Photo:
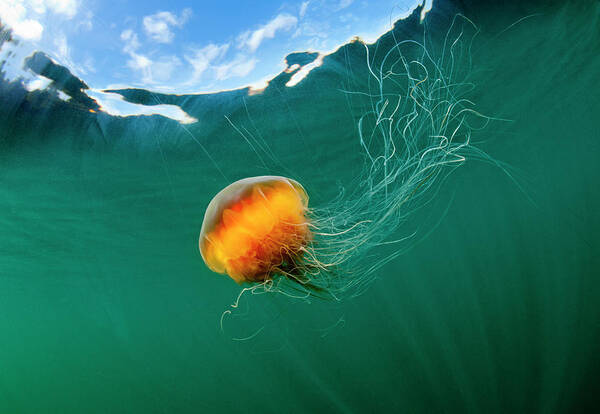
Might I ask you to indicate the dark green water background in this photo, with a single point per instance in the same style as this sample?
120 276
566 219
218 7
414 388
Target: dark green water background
107 307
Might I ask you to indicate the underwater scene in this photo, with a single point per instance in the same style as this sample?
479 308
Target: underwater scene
408 223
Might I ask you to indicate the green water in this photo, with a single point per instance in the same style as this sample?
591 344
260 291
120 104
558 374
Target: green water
107 307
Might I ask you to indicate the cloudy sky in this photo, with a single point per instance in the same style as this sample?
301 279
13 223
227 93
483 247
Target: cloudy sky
189 46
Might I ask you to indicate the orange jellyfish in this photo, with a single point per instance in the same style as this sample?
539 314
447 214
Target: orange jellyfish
257 228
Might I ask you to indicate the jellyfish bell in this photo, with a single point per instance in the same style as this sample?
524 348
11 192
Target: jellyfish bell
256 228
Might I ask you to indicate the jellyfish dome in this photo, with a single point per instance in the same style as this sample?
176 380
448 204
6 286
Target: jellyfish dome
255 228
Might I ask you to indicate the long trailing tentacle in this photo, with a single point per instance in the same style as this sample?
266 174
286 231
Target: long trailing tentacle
417 128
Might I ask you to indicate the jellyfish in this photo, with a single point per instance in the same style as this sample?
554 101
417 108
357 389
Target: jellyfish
415 129
256 228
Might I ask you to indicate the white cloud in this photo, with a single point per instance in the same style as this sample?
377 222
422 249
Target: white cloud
303 8
201 59
252 40
25 16
142 64
158 26
238 67
151 70
29 29
38 6
14 14
137 62
131 41
67 8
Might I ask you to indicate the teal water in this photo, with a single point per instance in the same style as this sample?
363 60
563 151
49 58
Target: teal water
106 305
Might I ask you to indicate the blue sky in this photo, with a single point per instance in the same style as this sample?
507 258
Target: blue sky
187 46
